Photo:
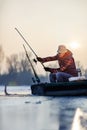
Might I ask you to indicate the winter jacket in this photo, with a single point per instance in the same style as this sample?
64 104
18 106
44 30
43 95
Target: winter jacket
66 63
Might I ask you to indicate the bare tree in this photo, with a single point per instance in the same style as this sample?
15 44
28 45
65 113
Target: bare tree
1 57
79 66
24 64
12 63
17 63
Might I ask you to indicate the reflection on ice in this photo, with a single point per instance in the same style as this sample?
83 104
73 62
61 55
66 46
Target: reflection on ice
80 120
40 112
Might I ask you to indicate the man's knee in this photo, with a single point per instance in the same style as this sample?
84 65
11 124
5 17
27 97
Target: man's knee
59 77
52 77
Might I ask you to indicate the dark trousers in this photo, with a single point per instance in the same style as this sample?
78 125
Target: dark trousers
59 77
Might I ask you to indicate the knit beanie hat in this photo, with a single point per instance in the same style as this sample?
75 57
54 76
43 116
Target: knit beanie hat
62 49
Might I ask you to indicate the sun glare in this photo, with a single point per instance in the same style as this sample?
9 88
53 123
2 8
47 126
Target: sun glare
74 45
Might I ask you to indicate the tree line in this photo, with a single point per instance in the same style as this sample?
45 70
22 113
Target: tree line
18 69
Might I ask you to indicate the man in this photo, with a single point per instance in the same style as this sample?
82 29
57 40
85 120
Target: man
66 62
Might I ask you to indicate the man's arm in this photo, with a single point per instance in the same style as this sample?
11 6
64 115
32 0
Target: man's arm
47 59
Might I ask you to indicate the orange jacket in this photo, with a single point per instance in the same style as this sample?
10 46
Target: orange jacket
66 63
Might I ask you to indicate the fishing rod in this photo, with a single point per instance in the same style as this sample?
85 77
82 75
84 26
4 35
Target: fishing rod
36 76
28 45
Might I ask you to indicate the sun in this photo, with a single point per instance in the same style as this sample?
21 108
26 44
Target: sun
74 45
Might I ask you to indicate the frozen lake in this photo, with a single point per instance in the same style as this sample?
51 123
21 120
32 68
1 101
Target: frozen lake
38 112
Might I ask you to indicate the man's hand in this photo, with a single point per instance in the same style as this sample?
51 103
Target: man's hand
52 70
47 69
40 59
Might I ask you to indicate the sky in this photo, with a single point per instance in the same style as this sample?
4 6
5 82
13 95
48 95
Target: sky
45 24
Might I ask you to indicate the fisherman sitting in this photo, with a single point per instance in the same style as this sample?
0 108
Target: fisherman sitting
67 67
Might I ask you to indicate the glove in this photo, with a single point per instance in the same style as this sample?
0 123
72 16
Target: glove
40 59
52 70
47 69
